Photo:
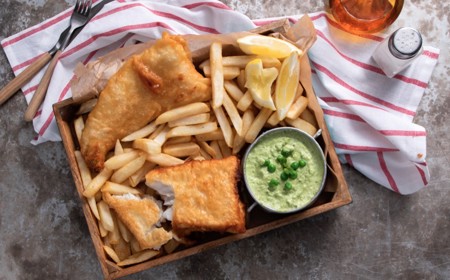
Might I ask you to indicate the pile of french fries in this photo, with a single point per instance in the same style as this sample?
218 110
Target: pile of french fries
196 131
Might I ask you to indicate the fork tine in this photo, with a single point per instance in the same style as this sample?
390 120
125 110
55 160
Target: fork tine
89 6
86 7
77 5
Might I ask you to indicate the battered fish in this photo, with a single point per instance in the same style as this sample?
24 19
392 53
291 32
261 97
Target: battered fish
161 78
141 216
204 195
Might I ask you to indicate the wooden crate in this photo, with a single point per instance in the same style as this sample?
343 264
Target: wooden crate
334 195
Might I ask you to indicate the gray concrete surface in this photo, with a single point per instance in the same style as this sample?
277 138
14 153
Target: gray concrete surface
381 235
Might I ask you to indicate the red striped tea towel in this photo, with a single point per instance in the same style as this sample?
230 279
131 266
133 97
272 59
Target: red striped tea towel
368 114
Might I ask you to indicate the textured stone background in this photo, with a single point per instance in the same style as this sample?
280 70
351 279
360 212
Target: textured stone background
381 235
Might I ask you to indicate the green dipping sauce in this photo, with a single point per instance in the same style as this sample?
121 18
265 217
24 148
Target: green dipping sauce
298 183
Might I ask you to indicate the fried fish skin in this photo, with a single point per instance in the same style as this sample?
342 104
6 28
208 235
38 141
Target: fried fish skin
159 79
206 195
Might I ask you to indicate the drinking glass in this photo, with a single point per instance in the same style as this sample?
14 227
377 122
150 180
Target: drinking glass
365 16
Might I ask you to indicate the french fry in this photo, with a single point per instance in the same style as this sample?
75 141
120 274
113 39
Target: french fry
85 174
114 188
215 56
273 119
179 139
181 112
204 154
239 141
126 183
139 257
116 162
308 116
87 106
122 249
210 136
105 216
242 60
139 175
96 183
157 131
161 137
297 107
106 240
302 125
134 245
198 157
233 113
226 151
224 125
93 205
98 196
187 130
128 149
182 149
111 253
207 148
79 126
241 80
245 102
195 119
124 232
233 90
229 73
118 149
215 146
103 231
171 246
149 146
141 133
128 169
164 159
257 125
114 235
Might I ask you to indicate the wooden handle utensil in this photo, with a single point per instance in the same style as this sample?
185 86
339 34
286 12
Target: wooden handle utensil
13 86
39 95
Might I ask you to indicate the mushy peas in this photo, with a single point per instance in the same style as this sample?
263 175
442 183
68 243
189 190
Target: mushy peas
283 172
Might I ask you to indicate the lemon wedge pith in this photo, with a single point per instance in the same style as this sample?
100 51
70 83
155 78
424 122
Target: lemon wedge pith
287 84
259 83
267 46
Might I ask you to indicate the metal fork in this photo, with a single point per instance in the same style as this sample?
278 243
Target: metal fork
80 17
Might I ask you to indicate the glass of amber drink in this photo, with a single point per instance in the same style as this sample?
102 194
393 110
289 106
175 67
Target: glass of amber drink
365 16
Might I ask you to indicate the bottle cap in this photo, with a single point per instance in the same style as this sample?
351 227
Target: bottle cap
405 43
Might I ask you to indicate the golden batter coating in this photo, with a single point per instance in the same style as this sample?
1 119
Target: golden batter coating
161 78
140 215
206 195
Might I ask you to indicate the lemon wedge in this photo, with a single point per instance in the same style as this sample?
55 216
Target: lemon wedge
287 84
259 83
267 46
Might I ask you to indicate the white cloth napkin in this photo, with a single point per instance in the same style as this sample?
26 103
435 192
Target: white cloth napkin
369 115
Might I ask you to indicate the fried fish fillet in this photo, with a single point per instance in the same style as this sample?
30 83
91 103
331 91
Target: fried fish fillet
161 78
204 195
141 216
